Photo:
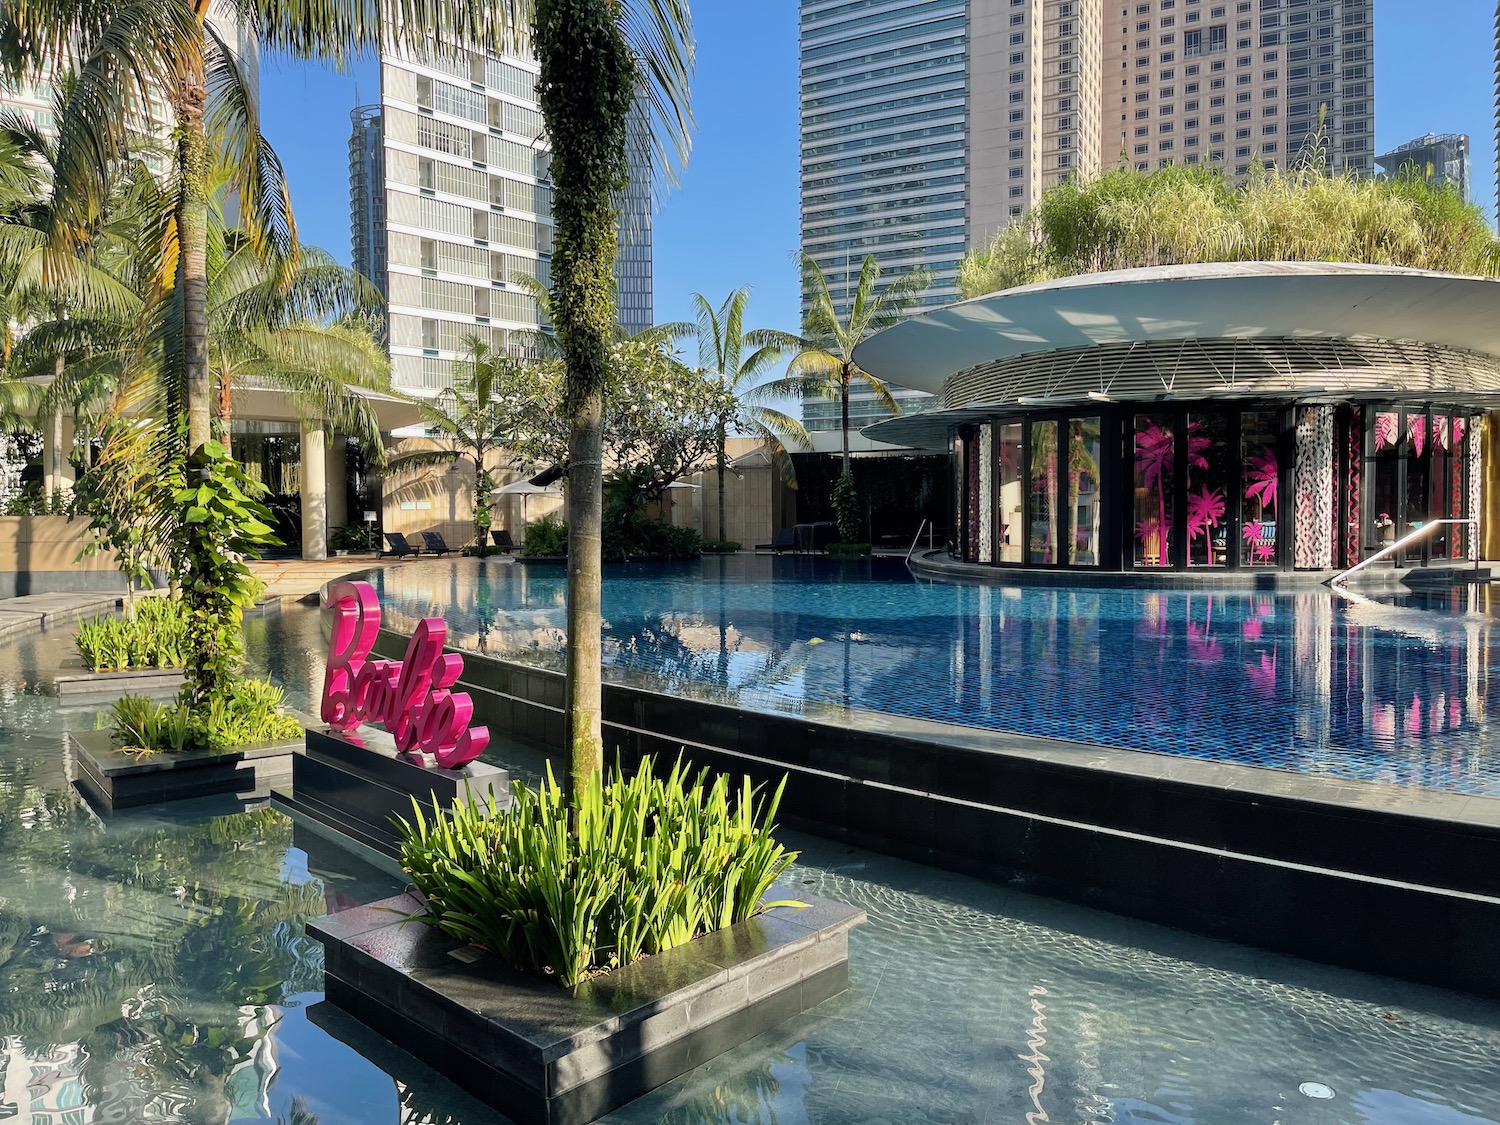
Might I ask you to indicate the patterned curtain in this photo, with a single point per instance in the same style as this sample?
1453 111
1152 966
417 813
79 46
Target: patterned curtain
1314 488
1354 453
1476 483
986 493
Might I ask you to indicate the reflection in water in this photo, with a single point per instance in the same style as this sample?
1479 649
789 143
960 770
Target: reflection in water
153 967
1036 1039
1305 681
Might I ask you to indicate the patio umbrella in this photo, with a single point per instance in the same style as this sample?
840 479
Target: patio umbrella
525 490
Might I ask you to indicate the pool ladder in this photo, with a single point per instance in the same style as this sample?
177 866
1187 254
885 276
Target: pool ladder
1342 576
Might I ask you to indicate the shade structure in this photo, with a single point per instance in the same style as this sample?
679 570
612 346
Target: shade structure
523 488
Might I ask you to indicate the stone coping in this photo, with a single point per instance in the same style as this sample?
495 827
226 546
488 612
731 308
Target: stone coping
544 1054
123 682
114 779
357 783
99 745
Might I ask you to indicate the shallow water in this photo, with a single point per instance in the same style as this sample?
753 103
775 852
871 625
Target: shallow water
153 968
1307 681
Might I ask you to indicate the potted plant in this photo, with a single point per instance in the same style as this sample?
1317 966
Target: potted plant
1386 527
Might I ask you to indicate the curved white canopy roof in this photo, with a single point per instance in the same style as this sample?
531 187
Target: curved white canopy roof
1214 301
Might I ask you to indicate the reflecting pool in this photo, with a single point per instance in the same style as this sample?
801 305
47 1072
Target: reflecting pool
153 967
1376 691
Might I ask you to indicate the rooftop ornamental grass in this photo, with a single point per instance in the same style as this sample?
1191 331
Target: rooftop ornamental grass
651 863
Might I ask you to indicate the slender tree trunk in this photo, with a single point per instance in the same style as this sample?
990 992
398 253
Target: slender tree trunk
192 261
844 412
723 437
225 403
587 90
585 588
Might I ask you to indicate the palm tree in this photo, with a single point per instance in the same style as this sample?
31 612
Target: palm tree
614 73
472 418
129 53
300 333
826 366
58 300
722 341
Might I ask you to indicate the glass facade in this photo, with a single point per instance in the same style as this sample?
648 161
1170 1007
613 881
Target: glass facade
451 207
1418 464
1204 487
884 154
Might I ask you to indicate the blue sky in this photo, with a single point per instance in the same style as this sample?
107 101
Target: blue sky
733 221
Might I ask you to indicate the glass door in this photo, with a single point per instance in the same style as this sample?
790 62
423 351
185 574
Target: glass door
1084 509
1010 496
1045 486
1154 499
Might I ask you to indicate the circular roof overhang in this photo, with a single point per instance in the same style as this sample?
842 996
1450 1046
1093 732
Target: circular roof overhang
1219 301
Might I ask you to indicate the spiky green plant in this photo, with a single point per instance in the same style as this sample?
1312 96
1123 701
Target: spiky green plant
648 863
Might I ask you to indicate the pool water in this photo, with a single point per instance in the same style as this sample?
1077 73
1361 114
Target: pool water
1395 691
153 967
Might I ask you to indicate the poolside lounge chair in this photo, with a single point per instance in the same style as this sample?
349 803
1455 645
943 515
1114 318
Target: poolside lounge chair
503 541
786 540
398 547
436 544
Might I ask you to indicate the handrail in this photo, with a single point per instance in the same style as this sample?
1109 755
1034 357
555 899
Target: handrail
1392 548
915 539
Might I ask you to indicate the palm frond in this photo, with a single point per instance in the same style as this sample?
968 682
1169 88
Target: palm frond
660 33
233 117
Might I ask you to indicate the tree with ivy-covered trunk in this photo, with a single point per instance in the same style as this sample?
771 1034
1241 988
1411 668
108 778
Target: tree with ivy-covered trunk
613 74
128 54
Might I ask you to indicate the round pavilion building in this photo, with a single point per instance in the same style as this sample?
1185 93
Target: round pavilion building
1234 415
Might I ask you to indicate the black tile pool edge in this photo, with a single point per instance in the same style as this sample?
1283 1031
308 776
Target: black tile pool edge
112 780
359 789
1364 887
544 1056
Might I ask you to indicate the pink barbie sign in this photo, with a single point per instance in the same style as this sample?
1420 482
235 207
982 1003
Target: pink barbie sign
409 697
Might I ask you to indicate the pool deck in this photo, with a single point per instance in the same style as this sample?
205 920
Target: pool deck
301 579
34 613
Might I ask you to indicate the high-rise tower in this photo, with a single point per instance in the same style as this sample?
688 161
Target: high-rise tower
927 127
451 207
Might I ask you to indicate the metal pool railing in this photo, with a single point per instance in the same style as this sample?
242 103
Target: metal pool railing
1411 537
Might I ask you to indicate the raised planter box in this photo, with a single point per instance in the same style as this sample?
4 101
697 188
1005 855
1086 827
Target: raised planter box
133 681
114 780
357 784
545 1056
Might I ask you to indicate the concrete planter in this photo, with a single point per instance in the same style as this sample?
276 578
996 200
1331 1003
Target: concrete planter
358 784
545 1056
115 780
132 681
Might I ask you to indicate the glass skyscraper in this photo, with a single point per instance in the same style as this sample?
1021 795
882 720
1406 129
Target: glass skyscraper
929 125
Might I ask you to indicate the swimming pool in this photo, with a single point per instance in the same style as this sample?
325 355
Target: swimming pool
1395 691
153 967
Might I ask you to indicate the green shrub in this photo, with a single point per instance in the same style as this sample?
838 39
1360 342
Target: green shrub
546 536
157 637
352 537
847 513
251 713
654 862
848 550
720 546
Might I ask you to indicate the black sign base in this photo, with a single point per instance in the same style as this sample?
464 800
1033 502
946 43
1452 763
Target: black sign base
357 784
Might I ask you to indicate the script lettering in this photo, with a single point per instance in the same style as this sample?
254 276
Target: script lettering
411 696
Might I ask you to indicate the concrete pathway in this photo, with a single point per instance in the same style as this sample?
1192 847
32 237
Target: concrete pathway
300 580
35 613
